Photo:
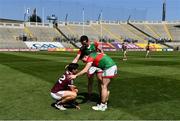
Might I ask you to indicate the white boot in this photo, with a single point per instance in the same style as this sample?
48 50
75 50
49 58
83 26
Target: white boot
101 107
60 107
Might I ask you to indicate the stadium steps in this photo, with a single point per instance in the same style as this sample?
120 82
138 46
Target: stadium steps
66 37
8 38
146 34
105 32
70 30
28 31
110 33
96 31
114 34
152 30
167 31
159 29
99 30
126 33
137 36
174 30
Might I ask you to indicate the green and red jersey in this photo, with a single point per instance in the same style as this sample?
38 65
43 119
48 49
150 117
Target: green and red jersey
101 60
92 48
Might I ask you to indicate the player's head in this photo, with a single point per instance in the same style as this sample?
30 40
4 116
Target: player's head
84 40
72 67
84 57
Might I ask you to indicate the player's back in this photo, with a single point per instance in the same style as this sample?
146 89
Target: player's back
62 83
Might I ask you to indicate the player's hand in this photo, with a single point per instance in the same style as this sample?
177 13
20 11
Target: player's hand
72 76
78 107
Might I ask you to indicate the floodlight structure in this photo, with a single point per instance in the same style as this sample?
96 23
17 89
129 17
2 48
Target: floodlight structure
66 18
164 11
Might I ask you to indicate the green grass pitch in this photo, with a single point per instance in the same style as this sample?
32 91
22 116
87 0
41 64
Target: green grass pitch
146 88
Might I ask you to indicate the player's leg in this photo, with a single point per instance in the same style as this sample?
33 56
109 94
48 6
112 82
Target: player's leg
107 75
90 87
124 55
69 99
147 53
99 77
58 96
66 96
104 90
104 95
90 75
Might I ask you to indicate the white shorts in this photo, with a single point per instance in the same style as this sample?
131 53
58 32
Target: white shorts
58 95
110 72
93 70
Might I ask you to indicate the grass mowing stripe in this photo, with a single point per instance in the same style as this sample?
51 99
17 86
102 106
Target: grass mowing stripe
167 110
170 72
41 57
135 93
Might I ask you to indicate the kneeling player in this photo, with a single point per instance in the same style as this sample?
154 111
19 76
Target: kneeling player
64 91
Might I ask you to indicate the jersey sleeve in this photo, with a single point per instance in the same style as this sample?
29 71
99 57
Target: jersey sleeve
79 52
90 59
96 44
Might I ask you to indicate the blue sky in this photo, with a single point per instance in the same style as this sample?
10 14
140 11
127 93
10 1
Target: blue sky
111 9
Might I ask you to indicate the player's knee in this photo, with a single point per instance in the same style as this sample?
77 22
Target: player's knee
73 95
99 77
103 86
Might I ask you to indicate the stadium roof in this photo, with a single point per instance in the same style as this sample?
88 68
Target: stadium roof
10 20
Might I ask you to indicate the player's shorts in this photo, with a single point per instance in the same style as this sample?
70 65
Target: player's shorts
110 72
93 70
58 95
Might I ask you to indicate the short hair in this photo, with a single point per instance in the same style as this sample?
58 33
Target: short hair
84 38
72 66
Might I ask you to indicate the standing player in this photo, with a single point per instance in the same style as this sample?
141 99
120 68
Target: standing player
147 50
124 49
86 49
64 91
109 69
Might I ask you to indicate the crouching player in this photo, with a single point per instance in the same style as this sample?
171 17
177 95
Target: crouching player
109 70
64 91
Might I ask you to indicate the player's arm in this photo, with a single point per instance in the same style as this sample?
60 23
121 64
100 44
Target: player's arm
98 47
84 70
73 88
76 59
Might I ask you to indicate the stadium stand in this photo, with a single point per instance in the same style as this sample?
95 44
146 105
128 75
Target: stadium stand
113 33
9 36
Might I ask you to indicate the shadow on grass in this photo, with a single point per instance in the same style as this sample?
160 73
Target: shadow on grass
84 98
46 70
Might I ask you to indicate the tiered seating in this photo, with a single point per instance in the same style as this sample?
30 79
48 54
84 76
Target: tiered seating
159 28
8 38
175 31
146 28
115 31
45 34
48 34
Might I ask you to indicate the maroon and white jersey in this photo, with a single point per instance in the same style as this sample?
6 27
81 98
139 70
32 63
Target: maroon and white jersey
63 83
